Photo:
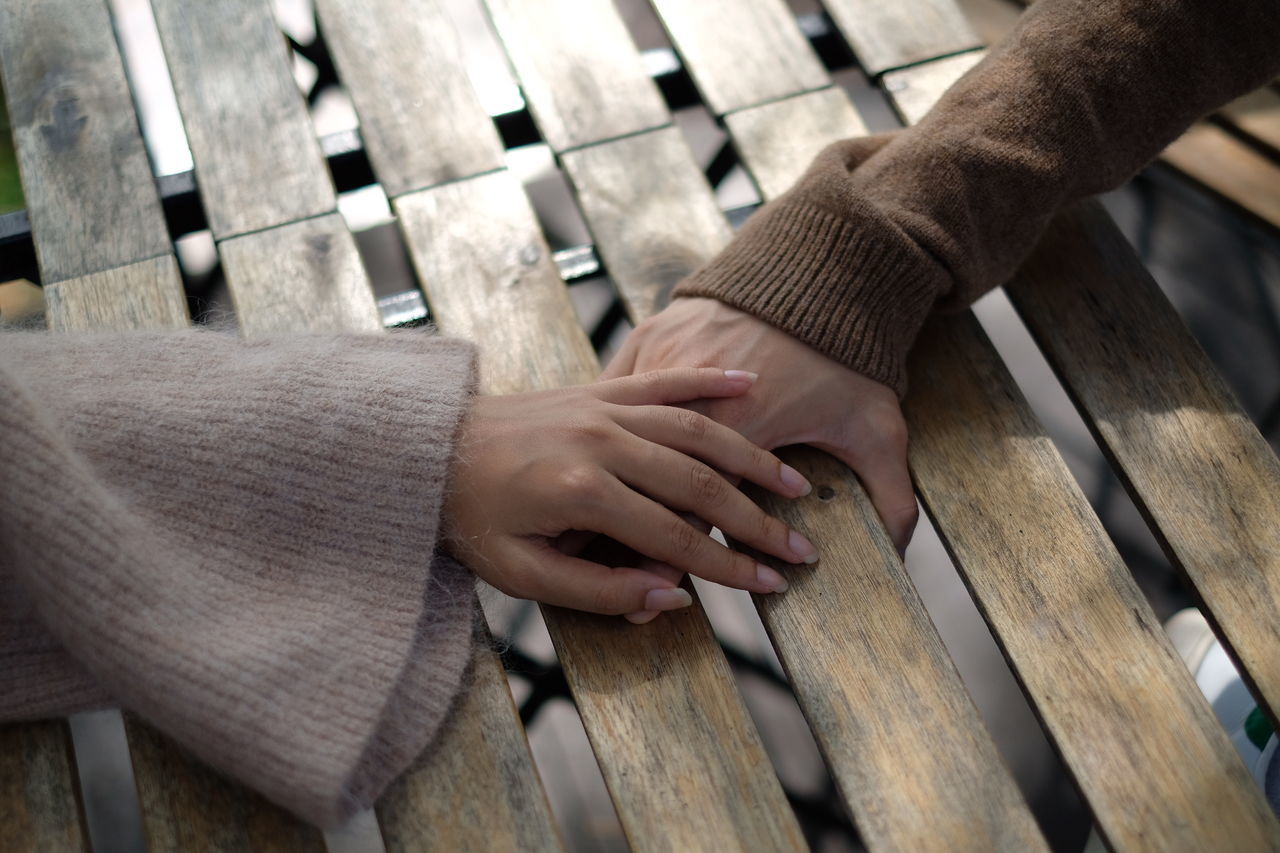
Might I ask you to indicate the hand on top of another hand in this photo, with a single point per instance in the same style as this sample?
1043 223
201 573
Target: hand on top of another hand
802 396
614 458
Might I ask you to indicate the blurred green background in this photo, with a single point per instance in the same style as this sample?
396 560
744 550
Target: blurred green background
10 190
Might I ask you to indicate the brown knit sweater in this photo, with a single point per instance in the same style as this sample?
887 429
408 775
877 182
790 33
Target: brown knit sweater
237 540
1081 95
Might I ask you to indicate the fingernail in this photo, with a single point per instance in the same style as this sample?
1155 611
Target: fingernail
794 480
642 617
744 375
667 599
802 548
771 579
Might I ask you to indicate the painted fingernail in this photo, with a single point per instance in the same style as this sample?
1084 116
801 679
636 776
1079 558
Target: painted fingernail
642 617
743 375
802 548
667 599
771 579
794 480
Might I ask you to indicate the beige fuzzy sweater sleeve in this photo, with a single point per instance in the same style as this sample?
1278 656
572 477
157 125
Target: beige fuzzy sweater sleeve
238 542
881 232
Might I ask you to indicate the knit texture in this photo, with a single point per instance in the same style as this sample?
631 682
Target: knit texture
237 541
1079 97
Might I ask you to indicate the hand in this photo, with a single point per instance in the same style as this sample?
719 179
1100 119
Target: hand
613 458
802 397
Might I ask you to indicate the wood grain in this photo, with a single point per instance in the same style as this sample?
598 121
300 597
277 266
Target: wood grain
913 91
39 800
1143 745
488 275
420 118
307 275
742 53
1187 453
88 184
477 788
145 295
778 140
592 86
651 212
890 35
257 158
186 806
1239 173
1257 114
682 760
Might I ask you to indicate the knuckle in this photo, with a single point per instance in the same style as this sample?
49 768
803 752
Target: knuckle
606 600
691 424
581 481
708 487
684 538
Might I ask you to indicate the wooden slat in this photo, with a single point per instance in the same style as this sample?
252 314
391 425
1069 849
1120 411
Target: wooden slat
890 35
637 194
1224 164
1065 609
488 276
38 793
256 155
85 174
742 54
913 91
473 793
307 275
1191 459
145 295
598 90
775 159
186 806
649 239
420 118
1144 746
1257 114
477 788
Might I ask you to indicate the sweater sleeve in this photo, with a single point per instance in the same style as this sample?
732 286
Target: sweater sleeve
1079 97
238 542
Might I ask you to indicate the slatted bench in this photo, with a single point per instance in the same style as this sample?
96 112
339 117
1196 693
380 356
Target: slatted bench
682 760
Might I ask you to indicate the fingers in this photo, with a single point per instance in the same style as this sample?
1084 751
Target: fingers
681 483
697 435
880 461
624 361
676 385
546 575
657 532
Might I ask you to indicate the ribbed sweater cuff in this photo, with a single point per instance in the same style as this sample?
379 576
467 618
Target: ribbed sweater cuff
852 286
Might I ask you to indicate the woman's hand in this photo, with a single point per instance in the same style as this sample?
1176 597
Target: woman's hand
613 458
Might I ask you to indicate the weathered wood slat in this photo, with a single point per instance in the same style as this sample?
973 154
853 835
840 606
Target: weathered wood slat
1225 165
890 35
1189 456
477 788
85 174
682 760
759 57
256 155
1257 114
1065 609
145 295
651 212
1119 703
186 806
776 159
38 790
853 633
420 118
914 90
306 275
599 90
